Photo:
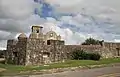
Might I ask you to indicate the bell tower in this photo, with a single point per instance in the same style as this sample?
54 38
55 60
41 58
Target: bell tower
37 29
36 32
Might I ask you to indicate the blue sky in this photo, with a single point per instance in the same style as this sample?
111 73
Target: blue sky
74 20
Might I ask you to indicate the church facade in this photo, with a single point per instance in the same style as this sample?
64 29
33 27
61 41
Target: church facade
36 49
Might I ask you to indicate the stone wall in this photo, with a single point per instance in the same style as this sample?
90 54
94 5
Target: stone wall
11 47
16 51
36 52
105 52
114 48
21 51
112 45
39 53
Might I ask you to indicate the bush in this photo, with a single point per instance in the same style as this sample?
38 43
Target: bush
95 56
82 55
76 55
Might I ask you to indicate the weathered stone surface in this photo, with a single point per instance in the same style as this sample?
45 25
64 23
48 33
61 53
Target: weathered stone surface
37 51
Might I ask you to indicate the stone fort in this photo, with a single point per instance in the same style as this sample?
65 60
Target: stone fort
47 48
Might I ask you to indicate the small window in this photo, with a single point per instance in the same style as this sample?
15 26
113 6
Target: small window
15 54
48 42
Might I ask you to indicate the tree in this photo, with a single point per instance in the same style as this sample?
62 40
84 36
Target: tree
90 41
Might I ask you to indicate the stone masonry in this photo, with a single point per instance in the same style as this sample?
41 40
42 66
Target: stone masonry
47 48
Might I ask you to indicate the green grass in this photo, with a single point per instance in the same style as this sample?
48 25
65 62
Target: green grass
14 69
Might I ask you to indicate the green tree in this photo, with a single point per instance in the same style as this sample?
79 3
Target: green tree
90 41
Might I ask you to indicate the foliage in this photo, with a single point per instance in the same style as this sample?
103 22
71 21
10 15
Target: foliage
77 55
81 55
95 56
90 41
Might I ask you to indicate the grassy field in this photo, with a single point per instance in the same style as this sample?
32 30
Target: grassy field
13 69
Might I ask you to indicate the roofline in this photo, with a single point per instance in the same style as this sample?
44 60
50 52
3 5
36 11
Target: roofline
37 26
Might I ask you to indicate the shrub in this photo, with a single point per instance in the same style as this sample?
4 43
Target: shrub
76 55
82 55
95 56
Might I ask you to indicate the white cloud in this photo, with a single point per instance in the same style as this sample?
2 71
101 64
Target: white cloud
67 34
90 18
3 44
117 40
16 9
109 8
65 3
2 48
4 34
16 16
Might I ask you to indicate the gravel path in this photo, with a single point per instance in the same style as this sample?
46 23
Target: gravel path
97 72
